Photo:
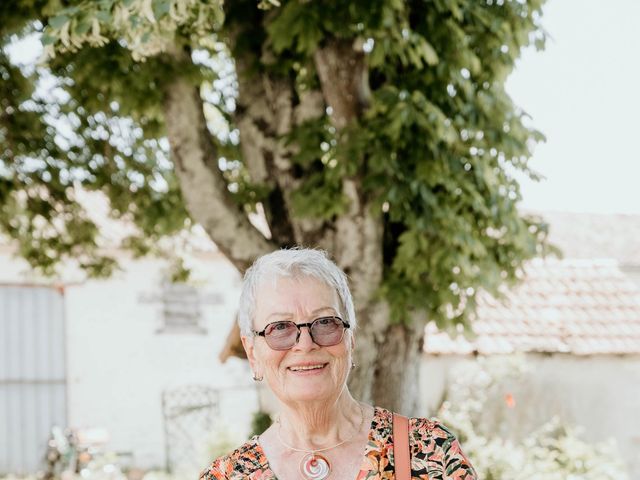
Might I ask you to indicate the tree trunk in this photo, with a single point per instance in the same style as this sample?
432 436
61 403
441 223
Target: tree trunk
387 356
397 383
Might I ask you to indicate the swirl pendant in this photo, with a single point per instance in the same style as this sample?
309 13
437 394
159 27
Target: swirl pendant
314 467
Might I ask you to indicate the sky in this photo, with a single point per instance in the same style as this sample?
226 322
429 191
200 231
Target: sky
583 93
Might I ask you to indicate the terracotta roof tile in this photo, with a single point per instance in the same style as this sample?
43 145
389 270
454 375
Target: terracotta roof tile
575 306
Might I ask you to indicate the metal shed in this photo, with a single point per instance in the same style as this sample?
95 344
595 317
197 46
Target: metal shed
33 379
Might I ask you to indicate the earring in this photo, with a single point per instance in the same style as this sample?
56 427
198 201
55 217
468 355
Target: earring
256 378
353 365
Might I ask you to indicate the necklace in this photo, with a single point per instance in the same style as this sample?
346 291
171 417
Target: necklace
314 466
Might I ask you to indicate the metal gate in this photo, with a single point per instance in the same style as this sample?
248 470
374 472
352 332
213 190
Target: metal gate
32 374
189 416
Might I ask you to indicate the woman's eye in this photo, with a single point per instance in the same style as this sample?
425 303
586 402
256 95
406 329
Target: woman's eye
325 321
280 326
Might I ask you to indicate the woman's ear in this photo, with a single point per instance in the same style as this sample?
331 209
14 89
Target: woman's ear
248 345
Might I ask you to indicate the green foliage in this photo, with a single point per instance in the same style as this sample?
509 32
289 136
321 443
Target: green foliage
437 147
37 204
147 27
74 133
260 422
319 194
434 151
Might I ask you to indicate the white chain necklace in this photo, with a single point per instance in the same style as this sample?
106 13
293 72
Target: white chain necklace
312 465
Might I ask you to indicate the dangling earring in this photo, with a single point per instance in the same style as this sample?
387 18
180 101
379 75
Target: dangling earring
353 365
256 378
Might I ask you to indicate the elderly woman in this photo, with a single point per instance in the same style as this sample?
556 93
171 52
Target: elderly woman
297 323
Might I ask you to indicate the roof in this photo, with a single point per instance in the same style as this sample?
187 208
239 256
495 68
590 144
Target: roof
588 235
577 306
232 345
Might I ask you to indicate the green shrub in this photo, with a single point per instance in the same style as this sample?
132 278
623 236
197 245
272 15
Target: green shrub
261 421
554 451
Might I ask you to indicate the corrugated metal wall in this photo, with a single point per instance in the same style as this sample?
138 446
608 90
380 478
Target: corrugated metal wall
32 374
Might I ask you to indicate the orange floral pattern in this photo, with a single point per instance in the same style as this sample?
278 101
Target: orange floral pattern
435 455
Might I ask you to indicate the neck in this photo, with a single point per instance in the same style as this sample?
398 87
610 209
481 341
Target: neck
323 424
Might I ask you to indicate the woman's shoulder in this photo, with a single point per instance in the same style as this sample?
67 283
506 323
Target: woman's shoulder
245 460
435 449
423 429
435 445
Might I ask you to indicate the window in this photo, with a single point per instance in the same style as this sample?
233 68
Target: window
181 309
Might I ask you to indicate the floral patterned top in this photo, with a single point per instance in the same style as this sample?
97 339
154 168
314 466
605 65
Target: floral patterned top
435 455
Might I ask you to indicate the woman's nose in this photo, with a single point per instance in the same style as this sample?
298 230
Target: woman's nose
305 342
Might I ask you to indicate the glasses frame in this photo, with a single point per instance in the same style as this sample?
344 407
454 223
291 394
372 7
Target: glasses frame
262 333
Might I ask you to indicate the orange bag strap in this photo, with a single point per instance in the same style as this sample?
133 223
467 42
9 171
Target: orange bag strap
401 456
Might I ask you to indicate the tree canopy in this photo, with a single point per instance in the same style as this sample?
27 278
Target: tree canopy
378 130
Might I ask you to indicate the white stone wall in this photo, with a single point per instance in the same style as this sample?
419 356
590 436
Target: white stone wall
599 393
118 363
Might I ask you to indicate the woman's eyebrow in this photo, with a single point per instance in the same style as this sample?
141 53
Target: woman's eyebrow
280 314
322 309
288 314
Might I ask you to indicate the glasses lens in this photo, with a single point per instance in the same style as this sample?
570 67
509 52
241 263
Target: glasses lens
327 331
281 335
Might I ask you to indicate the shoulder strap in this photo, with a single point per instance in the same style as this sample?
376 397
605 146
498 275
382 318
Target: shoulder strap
401 456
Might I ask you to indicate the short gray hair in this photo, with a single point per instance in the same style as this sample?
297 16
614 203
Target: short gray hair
294 263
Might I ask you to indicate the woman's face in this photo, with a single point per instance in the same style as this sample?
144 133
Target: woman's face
301 301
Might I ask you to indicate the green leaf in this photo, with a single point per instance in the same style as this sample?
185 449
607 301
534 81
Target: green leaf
161 8
104 16
58 21
429 53
82 26
47 39
70 11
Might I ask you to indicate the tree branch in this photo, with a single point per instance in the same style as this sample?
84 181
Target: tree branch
344 79
203 187
357 238
266 113
260 121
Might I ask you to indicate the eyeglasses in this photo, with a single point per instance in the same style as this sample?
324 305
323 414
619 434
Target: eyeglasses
324 331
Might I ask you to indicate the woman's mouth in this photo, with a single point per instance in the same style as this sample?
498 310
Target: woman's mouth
308 369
